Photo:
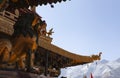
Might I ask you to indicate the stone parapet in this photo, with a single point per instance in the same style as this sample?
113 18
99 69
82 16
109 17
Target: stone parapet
6 24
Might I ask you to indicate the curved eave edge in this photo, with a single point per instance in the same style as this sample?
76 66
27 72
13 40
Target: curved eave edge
77 59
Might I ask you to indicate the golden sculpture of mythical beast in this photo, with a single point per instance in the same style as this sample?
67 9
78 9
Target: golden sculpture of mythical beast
22 44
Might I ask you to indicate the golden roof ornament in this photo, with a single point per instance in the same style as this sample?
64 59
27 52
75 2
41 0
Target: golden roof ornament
97 57
49 33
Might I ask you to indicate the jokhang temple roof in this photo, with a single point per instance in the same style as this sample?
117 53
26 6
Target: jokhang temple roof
46 44
47 56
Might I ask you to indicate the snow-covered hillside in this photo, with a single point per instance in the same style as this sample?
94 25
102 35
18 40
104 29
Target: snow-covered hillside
99 69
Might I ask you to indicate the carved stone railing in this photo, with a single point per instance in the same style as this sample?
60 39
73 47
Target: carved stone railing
7 20
9 15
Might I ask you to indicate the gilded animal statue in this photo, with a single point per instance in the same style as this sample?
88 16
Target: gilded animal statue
50 32
25 40
96 57
22 44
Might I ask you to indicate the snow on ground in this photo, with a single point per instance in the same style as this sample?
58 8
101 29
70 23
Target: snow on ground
99 69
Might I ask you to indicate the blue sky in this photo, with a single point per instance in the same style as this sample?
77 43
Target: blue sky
85 27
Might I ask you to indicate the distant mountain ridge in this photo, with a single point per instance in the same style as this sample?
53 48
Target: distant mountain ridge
118 60
99 69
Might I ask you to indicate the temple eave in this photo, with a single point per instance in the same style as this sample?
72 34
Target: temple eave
77 59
